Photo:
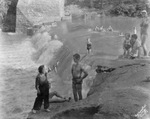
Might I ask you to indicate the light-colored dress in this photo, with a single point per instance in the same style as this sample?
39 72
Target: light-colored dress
135 48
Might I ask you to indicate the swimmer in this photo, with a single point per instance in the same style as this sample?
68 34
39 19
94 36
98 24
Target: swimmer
110 29
89 46
126 45
101 29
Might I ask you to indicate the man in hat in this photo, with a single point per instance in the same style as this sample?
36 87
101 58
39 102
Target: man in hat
144 31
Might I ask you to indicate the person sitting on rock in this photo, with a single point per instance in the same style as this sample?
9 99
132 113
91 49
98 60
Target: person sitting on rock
89 46
135 47
56 94
126 45
42 86
78 74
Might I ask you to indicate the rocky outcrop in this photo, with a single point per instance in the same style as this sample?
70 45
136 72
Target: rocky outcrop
41 11
26 13
118 94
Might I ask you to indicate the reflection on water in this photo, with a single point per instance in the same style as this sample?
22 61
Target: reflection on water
16 51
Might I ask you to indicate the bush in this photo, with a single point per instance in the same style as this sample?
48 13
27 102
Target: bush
128 10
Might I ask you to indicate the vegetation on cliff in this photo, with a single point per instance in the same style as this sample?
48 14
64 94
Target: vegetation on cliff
129 8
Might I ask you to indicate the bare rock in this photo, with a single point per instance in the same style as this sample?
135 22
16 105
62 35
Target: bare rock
120 94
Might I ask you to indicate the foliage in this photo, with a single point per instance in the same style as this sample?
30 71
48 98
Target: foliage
129 8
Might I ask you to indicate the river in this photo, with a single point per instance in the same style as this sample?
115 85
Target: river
18 68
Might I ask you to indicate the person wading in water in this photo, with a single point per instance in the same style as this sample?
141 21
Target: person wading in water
144 31
89 46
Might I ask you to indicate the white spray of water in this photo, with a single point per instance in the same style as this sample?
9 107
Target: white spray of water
45 47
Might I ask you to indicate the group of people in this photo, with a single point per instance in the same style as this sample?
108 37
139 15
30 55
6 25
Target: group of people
101 29
43 86
133 45
132 49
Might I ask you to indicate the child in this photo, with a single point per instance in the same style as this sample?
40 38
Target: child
89 46
126 45
42 86
77 77
135 47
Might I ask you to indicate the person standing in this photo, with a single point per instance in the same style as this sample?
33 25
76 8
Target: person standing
78 74
144 31
42 86
89 46
126 45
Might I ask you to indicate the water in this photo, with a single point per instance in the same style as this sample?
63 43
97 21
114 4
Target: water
21 55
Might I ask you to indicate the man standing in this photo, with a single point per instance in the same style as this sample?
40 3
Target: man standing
78 74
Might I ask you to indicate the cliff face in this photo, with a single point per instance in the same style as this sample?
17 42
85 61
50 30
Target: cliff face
123 92
25 13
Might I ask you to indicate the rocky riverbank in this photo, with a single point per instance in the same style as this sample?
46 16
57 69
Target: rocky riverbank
119 94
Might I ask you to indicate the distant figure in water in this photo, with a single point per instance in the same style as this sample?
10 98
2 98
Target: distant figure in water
134 30
89 46
110 29
135 47
101 29
144 31
78 74
42 86
126 45
96 28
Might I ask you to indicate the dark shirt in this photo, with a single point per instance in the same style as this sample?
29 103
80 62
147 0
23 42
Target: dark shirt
41 81
89 46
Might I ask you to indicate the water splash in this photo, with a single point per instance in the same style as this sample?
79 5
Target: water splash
45 48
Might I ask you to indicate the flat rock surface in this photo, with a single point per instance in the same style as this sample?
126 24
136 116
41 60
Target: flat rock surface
118 94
